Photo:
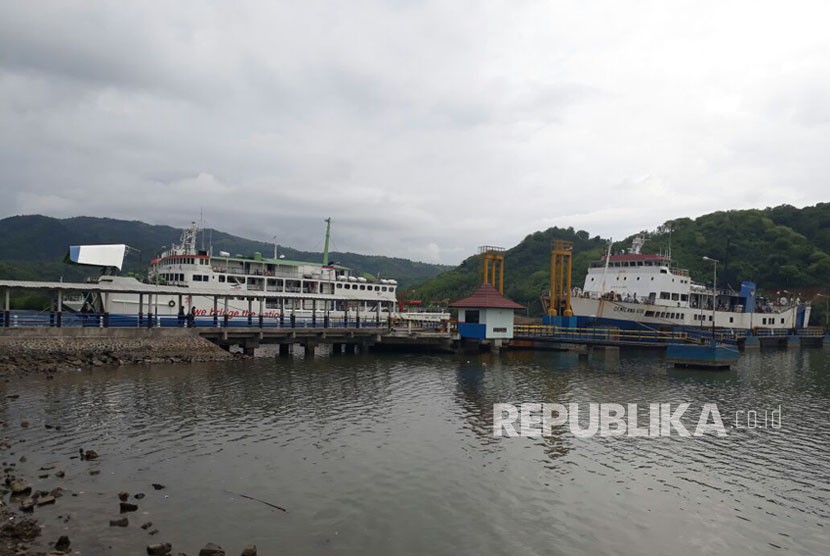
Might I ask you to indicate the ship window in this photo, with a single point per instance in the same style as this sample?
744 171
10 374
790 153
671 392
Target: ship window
221 278
592 279
362 287
665 295
638 277
684 297
782 321
731 319
339 285
675 296
710 318
652 278
649 313
663 271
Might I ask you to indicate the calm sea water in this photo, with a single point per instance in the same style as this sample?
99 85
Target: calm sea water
395 455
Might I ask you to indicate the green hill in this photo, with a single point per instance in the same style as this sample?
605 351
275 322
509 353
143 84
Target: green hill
33 247
779 248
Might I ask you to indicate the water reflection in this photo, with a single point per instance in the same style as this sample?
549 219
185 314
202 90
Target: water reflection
395 454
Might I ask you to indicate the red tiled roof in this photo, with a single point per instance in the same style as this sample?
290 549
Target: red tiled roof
486 297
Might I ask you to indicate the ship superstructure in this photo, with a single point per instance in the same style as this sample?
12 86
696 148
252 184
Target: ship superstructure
638 289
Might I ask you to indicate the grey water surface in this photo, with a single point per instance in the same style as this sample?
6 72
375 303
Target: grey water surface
395 455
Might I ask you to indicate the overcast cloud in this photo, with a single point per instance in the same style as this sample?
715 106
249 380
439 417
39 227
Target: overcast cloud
423 129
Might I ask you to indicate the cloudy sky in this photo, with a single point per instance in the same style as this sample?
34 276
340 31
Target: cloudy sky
424 129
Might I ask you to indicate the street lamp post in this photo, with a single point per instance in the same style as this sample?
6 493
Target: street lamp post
158 267
714 291
826 309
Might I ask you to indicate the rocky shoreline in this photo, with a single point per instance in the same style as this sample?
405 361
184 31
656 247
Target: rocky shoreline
61 361
48 351
21 534
31 494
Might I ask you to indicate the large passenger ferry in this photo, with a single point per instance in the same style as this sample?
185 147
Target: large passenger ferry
221 284
638 290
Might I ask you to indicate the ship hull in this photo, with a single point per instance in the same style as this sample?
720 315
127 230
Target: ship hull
592 312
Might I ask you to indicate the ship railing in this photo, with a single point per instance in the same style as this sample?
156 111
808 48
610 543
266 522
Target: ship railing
597 335
67 319
766 332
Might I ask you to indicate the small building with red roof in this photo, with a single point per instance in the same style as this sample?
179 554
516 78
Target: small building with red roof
486 315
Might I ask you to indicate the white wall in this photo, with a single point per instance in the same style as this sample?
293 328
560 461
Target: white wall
498 318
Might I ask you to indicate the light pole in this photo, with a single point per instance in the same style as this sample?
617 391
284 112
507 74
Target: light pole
158 268
826 309
714 291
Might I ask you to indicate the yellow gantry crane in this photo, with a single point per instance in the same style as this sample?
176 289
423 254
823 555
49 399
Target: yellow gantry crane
560 278
493 261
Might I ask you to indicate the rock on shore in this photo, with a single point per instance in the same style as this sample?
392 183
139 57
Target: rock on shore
51 350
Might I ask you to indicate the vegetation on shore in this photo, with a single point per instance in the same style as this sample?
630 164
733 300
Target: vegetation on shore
778 248
33 248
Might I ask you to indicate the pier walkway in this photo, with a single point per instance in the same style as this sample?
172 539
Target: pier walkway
248 332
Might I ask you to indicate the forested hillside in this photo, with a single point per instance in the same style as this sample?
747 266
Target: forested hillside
33 247
779 248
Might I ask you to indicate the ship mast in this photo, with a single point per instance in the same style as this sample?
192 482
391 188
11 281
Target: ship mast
326 247
607 261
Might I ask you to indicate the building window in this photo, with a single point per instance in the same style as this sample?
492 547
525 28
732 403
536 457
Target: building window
500 329
471 316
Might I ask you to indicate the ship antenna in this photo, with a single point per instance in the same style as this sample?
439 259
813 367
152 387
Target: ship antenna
202 226
326 247
607 260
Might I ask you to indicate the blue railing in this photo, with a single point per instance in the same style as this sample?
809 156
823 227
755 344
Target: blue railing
21 319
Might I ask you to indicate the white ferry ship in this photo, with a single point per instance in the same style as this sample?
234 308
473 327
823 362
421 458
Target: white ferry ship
637 290
238 286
